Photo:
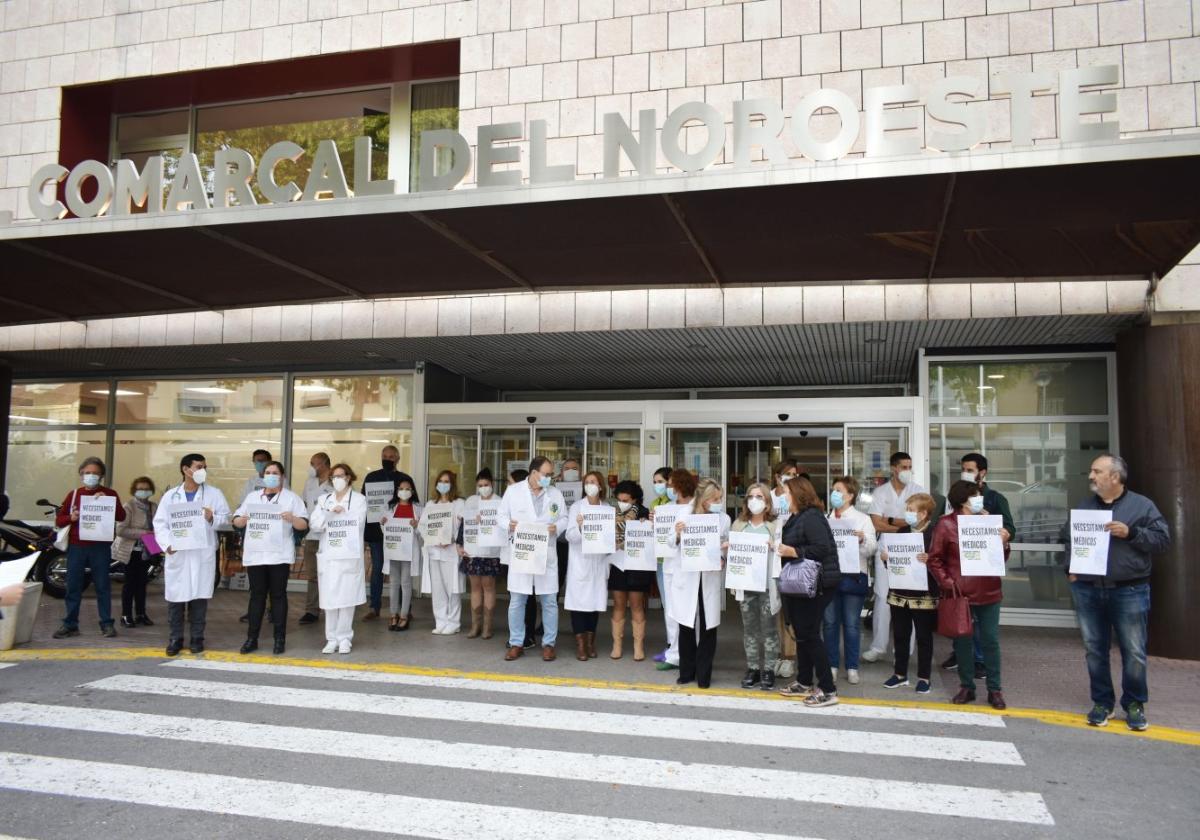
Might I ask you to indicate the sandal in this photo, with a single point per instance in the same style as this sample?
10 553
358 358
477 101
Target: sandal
394 623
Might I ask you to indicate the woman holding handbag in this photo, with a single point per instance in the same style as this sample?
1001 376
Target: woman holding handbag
129 549
808 581
983 594
913 608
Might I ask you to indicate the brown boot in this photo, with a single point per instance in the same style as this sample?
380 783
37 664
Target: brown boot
476 622
581 647
487 624
639 639
591 644
618 633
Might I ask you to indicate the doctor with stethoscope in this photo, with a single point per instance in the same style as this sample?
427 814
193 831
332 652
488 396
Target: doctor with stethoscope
340 516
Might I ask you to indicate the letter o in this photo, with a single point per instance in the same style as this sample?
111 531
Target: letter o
842 142
104 189
712 120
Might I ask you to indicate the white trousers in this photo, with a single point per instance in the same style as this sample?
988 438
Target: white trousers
672 624
447 606
400 587
339 624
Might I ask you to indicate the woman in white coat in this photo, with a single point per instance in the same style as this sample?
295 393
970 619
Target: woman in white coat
340 516
534 500
440 577
696 597
189 574
269 550
842 621
587 574
408 506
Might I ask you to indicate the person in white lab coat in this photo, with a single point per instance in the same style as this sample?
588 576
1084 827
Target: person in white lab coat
483 566
342 573
587 574
534 500
681 488
696 597
408 506
269 567
188 575
440 577
315 486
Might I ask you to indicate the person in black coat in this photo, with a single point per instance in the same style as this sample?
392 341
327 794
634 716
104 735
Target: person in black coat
806 535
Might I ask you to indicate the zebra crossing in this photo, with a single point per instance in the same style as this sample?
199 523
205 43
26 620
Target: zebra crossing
432 725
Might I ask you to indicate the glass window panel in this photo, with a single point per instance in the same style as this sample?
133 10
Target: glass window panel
1019 388
45 464
505 450
360 448
59 404
201 401
870 454
142 127
456 450
353 399
615 454
698 450
156 453
559 445
305 120
434 105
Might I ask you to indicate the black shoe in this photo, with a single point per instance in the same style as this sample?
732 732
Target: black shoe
144 620
197 645
128 622
64 631
245 619
768 680
980 671
279 645
174 646
951 663
108 631
527 644
751 679
249 646
308 618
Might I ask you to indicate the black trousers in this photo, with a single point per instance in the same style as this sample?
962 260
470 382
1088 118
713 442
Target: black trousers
268 580
197 612
584 622
133 593
696 655
805 615
903 621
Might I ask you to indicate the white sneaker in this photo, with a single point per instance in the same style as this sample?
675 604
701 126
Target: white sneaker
344 646
872 655
437 631
330 647
852 676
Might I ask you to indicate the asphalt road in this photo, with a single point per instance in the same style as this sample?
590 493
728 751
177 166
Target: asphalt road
222 748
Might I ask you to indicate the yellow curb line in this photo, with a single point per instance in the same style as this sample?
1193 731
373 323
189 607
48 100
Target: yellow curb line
1051 717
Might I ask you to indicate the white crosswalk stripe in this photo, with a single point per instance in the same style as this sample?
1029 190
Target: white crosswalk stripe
604 723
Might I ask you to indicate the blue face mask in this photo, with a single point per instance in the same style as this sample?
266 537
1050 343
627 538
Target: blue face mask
91 480
976 503
910 516
260 466
837 499
443 487
143 494
671 493
272 481
544 481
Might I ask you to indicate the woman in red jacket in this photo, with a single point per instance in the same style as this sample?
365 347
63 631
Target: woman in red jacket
983 593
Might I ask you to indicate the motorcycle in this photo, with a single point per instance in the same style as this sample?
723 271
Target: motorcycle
20 539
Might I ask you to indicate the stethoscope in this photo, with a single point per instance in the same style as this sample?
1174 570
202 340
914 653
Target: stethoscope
176 494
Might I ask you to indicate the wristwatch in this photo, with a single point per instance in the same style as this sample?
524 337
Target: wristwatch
891 521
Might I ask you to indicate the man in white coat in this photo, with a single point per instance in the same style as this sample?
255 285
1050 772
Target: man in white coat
189 573
534 500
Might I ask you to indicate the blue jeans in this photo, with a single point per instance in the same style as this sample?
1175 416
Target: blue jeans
843 620
376 575
516 618
1124 610
81 559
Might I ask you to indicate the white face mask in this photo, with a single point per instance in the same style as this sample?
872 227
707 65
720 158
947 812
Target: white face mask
443 487
716 507
404 495
756 505
312 471
570 475
976 503
593 490
784 479
624 507
905 477
968 476
484 490
91 480
200 476
340 483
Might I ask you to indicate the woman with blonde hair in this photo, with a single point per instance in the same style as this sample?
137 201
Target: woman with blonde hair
760 632
695 600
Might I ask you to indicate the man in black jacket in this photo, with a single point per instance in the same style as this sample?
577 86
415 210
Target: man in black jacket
373 534
1118 603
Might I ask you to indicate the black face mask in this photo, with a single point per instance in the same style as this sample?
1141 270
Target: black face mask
388 465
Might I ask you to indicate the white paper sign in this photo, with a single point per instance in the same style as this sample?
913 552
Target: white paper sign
904 570
471 538
187 526
571 490
665 517
264 529
980 549
398 540
492 534
700 543
1089 542
343 538
639 547
599 529
97 517
379 497
529 548
437 524
15 571
847 546
747 562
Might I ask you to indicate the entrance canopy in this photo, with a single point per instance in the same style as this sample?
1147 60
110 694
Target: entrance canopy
1047 212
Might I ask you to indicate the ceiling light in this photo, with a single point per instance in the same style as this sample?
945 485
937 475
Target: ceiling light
120 392
209 389
995 376
315 389
96 364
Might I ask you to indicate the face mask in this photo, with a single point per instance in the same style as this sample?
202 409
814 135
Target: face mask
966 476
715 507
484 490
671 493
624 506
312 471
340 483
544 481
388 464
143 494
756 506
91 480
260 466
910 517
784 479
593 490
837 499
404 495
660 489
443 487
200 476
570 475
976 503
905 477
272 481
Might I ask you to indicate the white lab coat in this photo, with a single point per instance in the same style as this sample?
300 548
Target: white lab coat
683 602
471 514
587 574
342 583
314 489
517 505
188 575
288 502
443 554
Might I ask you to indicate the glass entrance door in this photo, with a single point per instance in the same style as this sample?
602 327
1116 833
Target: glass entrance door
700 449
456 450
505 450
868 453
